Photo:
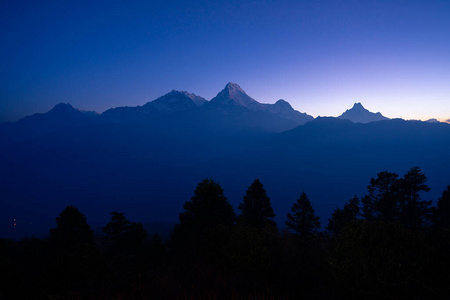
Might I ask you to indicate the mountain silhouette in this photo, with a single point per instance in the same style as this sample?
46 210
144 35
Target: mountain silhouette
231 109
284 109
232 94
358 114
177 101
62 115
171 103
147 160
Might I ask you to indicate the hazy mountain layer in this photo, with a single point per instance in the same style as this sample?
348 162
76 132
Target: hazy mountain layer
147 160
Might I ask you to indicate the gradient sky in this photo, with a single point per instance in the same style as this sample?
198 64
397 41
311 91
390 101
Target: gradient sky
321 56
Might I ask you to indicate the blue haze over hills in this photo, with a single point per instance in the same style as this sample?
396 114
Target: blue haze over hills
147 160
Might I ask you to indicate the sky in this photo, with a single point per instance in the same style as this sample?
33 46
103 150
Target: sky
320 56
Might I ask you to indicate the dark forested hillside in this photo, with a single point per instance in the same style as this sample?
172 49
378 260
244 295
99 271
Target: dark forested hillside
388 243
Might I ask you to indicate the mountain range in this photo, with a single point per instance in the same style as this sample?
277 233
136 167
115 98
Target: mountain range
147 160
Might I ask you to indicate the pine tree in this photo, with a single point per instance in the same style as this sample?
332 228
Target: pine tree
123 234
442 212
71 229
206 220
256 208
75 261
303 220
207 209
415 212
383 202
341 217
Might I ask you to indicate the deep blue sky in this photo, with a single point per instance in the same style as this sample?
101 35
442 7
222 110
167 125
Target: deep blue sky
321 56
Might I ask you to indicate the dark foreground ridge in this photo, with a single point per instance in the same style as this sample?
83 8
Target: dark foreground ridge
389 243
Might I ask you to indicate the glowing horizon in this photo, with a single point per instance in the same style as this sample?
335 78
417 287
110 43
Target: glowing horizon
320 56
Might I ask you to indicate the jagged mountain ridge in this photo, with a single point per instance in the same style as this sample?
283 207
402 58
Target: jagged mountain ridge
177 101
358 114
231 96
172 102
232 108
181 102
234 95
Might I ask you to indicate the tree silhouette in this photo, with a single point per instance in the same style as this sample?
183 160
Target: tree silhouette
206 210
382 260
382 203
256 208
415 212
125 248
442 212
123 234
71 229
75 264
342 217
303 220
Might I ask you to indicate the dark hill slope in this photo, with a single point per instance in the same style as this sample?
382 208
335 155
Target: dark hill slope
149 169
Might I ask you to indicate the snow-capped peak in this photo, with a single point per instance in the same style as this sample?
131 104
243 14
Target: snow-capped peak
63 107
233 94
358 114
283 103
358 106
234 88
176 101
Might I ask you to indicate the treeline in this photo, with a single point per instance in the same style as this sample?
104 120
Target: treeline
388 244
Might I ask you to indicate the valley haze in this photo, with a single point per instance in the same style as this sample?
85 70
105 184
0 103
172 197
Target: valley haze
146 160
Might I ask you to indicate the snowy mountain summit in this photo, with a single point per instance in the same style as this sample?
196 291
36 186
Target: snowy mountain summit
358 114
232 94
177 101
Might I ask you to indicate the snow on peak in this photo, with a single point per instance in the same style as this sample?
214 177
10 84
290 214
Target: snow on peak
233 94
176 101
358 106
234 88
63 107
358 114
283 103
199 101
